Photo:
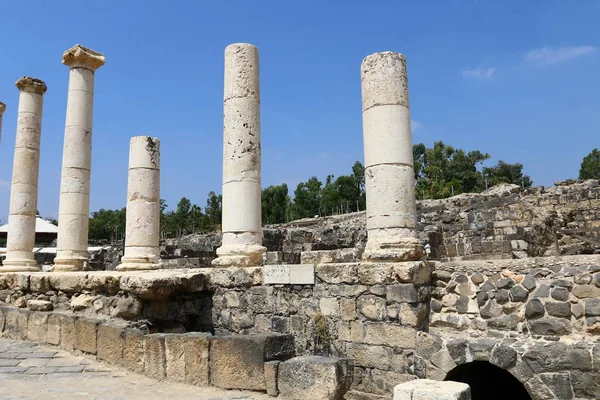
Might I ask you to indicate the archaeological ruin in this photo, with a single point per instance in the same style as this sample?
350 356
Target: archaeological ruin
493 295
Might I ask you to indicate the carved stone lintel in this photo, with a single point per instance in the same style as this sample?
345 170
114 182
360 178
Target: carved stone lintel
29 84
82 57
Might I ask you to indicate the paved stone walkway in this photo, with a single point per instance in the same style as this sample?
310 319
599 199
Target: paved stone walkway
30 371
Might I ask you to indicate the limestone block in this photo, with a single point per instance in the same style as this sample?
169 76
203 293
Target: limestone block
240 210
302 274
383 80
394 144
175 357
386 182
11 329
86 334
67 331
241 71
75 180
276 274
39 305
110 342
337 273
133 350
53 330
197 363
36 327
237 362
75 151
313 377
22 324
144 152
154 356
390 335
427 389
271 373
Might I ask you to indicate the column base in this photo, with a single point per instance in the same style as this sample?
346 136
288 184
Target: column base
19 266
137 264
69 265
393 249
247 256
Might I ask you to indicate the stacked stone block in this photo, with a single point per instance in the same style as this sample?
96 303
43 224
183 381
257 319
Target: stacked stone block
142 230
74 204
24 185
241 226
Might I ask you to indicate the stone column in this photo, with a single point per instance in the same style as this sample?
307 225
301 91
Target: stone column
142 228
389 175
24 187
74 204
2 109
241 225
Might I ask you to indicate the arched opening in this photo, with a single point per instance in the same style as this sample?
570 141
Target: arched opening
488 382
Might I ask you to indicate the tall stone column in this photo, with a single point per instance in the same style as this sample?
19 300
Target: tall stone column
389 175
74 204
2 109
142 227
24 186
241 225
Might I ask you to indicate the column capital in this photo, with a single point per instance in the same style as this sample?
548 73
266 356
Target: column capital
2 108
33 85
82 57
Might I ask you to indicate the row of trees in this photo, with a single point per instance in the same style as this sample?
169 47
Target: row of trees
440 171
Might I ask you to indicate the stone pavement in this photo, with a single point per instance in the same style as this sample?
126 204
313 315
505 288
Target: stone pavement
30 371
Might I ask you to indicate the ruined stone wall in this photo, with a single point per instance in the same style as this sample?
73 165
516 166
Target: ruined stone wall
505 222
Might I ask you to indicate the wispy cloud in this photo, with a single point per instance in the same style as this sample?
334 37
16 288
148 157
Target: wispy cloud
478 72
414 125
324 154
551 55
4 184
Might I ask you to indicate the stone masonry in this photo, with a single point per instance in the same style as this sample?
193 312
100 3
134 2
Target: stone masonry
389 174
242 230
143 206
74 204
24 185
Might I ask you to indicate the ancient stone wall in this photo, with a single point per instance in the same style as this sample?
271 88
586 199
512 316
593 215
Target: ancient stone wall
505 222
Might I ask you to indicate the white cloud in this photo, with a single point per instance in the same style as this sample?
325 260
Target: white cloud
4 183
478 72
324 154
550 55
414 125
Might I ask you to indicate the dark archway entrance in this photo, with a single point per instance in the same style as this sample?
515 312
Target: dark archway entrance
488 382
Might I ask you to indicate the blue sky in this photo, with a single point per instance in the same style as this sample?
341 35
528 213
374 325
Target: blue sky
516 79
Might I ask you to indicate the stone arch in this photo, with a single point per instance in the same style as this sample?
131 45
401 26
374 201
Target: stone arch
488 381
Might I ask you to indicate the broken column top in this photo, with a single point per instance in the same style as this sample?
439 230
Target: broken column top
82 57
241 71
384 80
2 108
33 85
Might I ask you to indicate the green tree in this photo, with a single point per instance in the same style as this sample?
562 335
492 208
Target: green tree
107 224
307 199
274 202
507 173
443 170
213 208
590 166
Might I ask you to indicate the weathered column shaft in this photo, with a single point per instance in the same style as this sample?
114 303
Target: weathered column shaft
389 174
241 225
24 187
142 228
74 204
2 109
